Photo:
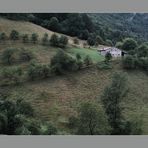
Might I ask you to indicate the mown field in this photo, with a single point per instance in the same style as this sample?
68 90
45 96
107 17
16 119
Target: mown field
93 53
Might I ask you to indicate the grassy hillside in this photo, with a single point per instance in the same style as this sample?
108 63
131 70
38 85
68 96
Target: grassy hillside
55 99
24 27
93 53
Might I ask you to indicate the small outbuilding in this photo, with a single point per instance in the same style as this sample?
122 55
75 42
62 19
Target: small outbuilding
115 52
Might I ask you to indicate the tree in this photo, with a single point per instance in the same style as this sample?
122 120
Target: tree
54 41
7 56
99 40
79 61
109 42
45 39
62 62
91 120
108 57
129 44
54 24
112 98
88 60
84 34
34 37
142 50
14 35
91 41
25 38
11 118
119 45
63 41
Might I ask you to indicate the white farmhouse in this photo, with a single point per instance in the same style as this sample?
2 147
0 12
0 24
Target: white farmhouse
115 52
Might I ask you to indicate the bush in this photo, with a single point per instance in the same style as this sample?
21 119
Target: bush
24 108
129 62
7 56
54 41
45 39
63 62
25 55
34 37
88 60
25 38
12 76
14 35
143 50
2 36
75 41
37 71
104 65
48 129
142 63
63 41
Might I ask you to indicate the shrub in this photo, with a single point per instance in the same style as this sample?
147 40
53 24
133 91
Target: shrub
7 56
143 50
25 38
14 35
34 37
54 41
104 65
12 76
48 129
63 41
37 71
128 62
24 108
88 60
75 41
25 55
2 36
45 39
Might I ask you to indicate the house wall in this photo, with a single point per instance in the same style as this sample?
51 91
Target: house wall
114 52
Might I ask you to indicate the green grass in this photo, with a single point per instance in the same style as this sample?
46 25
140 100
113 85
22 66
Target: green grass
93 53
